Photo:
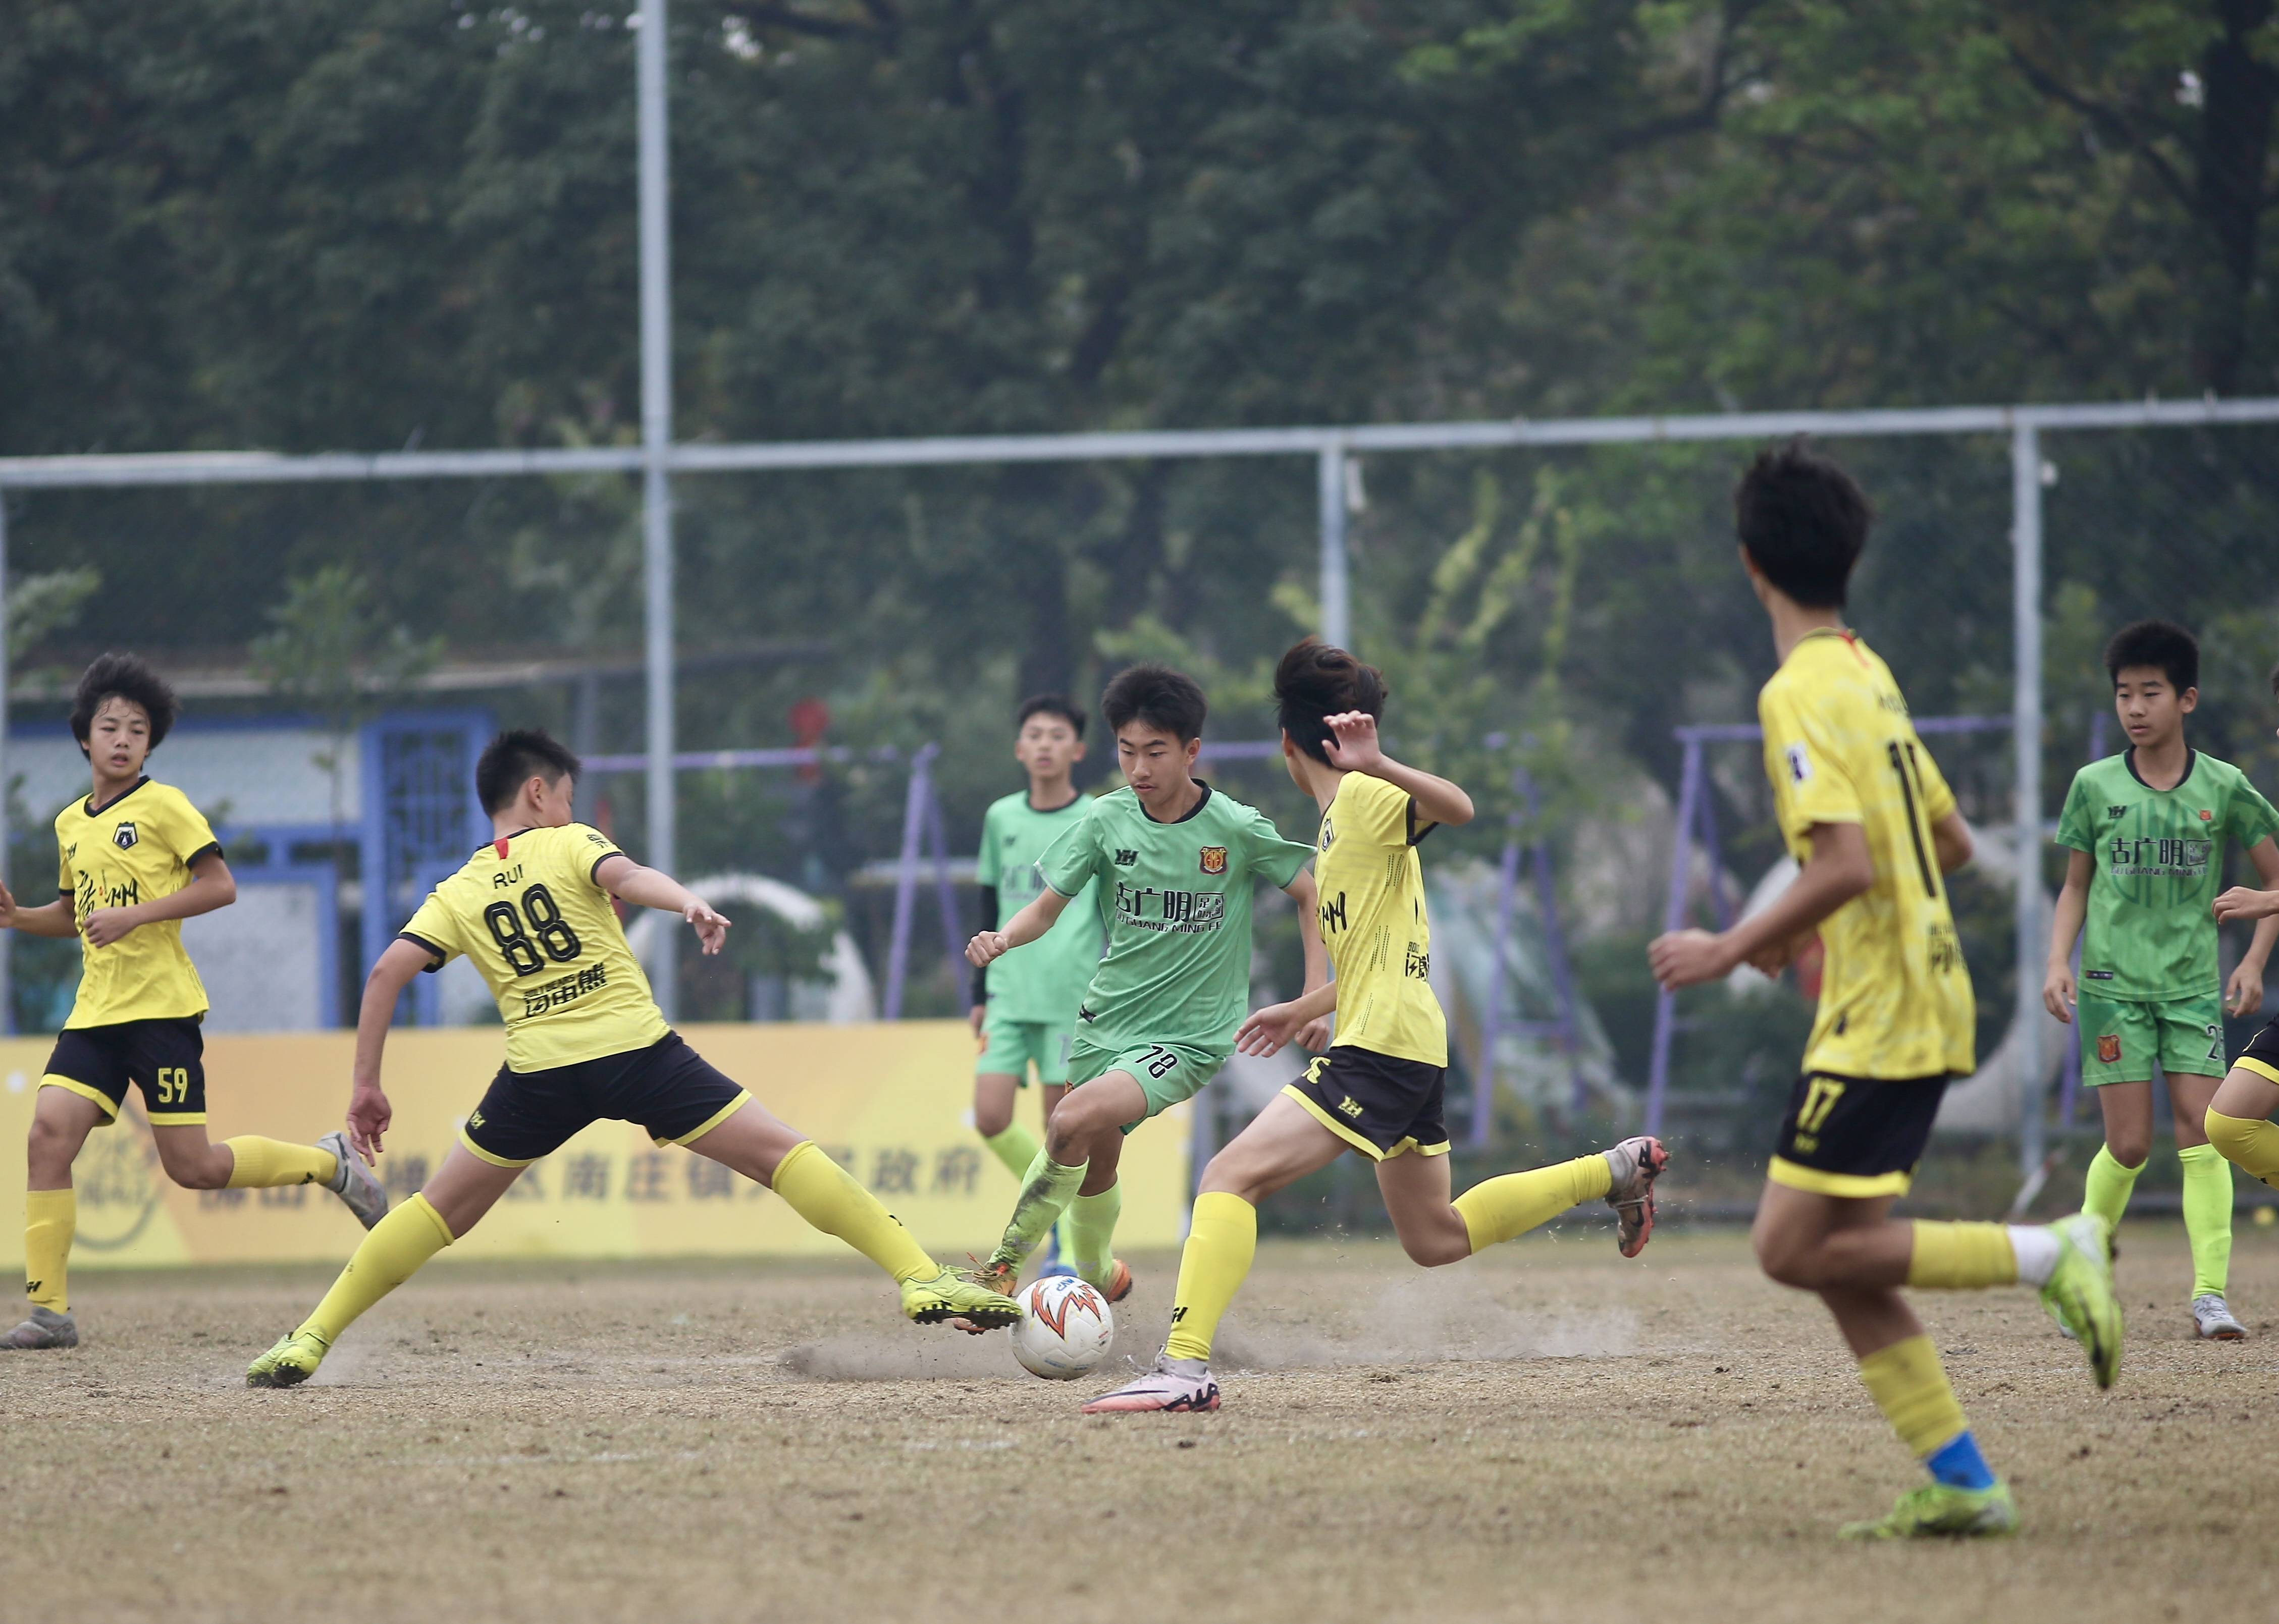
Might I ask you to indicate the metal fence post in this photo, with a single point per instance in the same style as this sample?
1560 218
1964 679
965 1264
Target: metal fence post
656 483
906 881
1665 1003
2025 737
7 984
1336 565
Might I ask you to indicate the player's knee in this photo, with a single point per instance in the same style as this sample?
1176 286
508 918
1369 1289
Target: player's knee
2231 1135
992 1119
1069 1134
207 1173
47 1149
2129 1148
1787 1259
1437 1250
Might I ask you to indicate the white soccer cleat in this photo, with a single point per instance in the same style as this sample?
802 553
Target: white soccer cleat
1176 1385
353 1183
46 1329
1637 1163
2211 1318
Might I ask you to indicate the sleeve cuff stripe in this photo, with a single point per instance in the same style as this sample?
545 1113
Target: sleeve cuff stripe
439 955
211 849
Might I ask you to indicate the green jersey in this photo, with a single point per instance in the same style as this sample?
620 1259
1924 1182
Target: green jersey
2157 857
1177 970
1045 980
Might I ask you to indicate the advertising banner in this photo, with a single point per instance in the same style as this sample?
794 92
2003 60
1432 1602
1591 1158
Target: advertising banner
888 1101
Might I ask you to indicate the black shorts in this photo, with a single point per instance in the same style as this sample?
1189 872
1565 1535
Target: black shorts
1380 1106
1857 1136
166 1060
667 1088
2261 1054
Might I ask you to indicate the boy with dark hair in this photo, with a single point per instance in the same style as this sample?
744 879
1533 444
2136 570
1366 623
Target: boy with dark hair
2146 831
1864 810
1024 1009
136 860
1377 1088
585 1041
1160 1014
2238 1120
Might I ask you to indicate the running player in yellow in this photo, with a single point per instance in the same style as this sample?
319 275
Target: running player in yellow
1865 812
2238 1119
1025 1006
1377 1090
135 859
585 1041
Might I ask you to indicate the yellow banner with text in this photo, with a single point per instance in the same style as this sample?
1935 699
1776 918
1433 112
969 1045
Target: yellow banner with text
889 1102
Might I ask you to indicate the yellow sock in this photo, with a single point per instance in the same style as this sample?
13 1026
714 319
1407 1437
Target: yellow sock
390 1256
826 1195
1222 1238
1910 1388
1958 1256
50 1218
1499 1208
1017 1147
263 1164
2252 1146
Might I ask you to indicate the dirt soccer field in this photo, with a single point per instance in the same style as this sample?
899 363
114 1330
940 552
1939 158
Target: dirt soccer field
1546 1433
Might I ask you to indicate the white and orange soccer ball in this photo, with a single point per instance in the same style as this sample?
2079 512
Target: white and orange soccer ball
1065 1328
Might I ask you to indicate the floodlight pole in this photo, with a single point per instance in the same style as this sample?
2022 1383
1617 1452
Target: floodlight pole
656 483
7 986
1337 585
2026 739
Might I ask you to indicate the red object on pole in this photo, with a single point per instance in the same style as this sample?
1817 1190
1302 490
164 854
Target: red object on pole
810 719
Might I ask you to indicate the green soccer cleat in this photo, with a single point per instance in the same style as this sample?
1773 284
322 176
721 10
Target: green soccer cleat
2080 1295
946 1297
291 1362
1938 1511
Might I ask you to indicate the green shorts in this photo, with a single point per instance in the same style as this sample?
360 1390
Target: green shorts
1012 1046
1167 1073
2121 1037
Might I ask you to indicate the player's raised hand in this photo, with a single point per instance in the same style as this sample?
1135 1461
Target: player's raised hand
1688 958
1352 746
369 1116
7 908
987 945
2057 992
1268 1030
2246 902
2243 994
711 926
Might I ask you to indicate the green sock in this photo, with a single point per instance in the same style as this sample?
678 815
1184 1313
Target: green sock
1090 1224
2208 1216
1047 1188
1017 1147
2105 1191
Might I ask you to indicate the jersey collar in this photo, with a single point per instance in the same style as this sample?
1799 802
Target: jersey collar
92 810
498 840
2192 760
1074 799
1202 802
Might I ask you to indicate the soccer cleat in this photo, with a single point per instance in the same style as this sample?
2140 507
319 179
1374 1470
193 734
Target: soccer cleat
2080 1296
1941 1511
353 1183
46 1329
291 1362
1118 1286
2211 1318
1176 1385
1637 1163
964 1302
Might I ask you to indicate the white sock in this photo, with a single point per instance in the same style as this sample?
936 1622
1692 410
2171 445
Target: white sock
2036 1249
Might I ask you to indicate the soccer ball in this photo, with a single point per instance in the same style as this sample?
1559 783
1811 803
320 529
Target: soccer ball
1064 1331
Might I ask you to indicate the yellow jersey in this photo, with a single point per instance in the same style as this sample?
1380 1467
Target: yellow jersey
137 848
1895 996
526 909
1373 922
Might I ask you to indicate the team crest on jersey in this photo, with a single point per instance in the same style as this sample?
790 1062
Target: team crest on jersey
1214 860
1800 764
2108 1049
1124 860
2114 811
124 836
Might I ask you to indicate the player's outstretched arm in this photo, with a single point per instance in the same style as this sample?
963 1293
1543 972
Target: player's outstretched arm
1840 870
1040 916
1313 1032
49 919
212 886
623 879
2058 988
2243 993
1352 748
369 1112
